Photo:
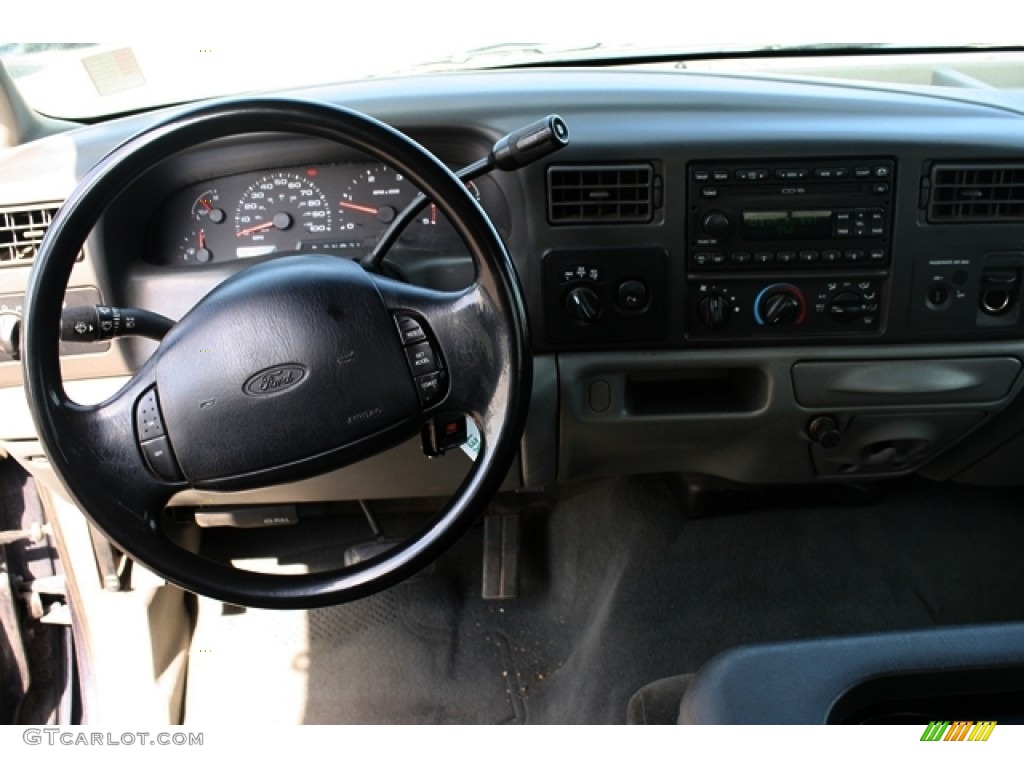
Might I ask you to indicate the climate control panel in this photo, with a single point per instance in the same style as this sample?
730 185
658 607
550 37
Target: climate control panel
752 307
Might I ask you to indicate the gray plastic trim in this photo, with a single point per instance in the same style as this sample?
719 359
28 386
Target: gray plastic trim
907 382
756 437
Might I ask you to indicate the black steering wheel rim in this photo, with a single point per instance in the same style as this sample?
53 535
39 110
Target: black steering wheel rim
102 476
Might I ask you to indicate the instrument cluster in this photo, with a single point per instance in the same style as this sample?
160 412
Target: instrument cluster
338 208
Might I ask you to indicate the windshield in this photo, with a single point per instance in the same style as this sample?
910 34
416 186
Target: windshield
82 81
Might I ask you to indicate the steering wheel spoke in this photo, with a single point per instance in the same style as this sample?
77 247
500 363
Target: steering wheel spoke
456 338
116 445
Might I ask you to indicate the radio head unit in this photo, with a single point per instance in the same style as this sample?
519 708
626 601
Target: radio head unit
819 213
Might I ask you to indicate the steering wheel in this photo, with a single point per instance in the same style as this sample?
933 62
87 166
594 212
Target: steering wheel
287 369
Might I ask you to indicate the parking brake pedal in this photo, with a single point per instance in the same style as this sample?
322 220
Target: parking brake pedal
501 557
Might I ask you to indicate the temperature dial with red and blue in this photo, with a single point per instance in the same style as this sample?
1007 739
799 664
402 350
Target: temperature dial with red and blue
780 304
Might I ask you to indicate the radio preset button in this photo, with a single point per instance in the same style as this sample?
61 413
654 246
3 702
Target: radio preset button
718 258
853 256
809 257
785 257
764 257
831 256
740 257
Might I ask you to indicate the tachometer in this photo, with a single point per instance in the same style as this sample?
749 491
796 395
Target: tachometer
373 199
371 202
278 211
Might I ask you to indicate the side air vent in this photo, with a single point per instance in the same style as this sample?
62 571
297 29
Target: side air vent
976 193
600 194
21 230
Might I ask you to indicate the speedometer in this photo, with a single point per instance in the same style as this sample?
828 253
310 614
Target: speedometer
278 211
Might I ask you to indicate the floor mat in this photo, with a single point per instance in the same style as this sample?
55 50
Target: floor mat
619 589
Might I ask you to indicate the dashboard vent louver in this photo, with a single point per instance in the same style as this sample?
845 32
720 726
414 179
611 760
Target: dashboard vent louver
977 193
600 194
21 230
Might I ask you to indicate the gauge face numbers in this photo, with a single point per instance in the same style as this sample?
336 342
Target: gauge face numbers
278 210
207 208
339 208
207 214
372 200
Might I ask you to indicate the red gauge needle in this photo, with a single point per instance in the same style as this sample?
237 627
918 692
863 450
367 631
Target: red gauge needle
202 239
206 205
256 228
361 208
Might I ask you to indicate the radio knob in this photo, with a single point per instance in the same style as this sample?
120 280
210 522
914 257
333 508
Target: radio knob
583 304
713 310
716 224
779 305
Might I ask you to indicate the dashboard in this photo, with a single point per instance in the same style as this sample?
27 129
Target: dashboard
758 280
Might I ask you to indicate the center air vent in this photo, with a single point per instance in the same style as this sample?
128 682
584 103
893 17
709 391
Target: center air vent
600 194
21 230
977 193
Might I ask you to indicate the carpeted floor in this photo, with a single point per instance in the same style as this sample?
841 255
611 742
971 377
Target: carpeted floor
619 589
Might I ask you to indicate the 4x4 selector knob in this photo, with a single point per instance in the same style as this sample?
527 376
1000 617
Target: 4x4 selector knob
716 223
583 304
780 304
713 310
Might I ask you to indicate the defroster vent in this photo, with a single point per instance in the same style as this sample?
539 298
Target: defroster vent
979 192
600 194
21 230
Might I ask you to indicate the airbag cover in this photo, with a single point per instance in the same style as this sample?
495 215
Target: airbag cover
283 362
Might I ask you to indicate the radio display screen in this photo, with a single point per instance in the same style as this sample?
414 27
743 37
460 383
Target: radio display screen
787 225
